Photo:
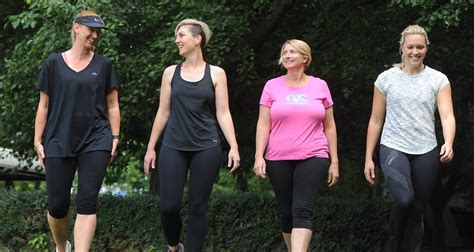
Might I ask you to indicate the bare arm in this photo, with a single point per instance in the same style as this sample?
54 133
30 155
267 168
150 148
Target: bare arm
224 117
331 135
261 140
445 108
373 133
113 112
40 124
161 118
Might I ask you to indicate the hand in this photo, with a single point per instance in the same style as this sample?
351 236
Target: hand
260 167
234 159
369 171
333 174
446 153
114 150
150 157
40 153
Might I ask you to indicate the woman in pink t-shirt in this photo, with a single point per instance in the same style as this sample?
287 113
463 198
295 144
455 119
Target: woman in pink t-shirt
296 142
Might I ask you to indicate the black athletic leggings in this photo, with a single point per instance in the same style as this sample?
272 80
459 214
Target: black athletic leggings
203 168
60 172
295 183
410 180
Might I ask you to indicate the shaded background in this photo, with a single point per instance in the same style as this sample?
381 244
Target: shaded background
352 42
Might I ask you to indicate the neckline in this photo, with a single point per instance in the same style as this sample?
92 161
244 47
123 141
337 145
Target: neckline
297 87
414 75
80 71
192 82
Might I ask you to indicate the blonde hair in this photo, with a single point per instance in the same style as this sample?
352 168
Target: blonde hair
301 46
83 13
197 28
410 30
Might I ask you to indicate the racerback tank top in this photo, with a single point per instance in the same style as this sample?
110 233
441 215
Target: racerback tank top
192 124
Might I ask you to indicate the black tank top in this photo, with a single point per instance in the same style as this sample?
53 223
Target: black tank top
192 124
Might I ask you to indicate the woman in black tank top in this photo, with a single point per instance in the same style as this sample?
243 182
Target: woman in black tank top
193 102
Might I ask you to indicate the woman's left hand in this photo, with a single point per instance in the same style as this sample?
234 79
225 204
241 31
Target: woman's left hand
446 154
234 159
333 174
114 150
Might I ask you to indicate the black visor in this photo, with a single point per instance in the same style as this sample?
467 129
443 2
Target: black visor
90 21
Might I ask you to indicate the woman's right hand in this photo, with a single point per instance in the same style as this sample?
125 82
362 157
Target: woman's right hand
149 161
40 152
369 171
260 167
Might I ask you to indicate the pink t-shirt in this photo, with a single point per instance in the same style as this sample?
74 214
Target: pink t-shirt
297 115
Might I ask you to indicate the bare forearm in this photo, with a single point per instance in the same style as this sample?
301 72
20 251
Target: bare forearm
114 120
331 135
159 124
227 127
449 130
373 133
40 124
261 139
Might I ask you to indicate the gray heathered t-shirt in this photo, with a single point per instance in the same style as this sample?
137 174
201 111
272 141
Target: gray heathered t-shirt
411 104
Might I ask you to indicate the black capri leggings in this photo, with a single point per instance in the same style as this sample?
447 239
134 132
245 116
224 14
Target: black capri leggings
410 180
203 167
91 167
295 183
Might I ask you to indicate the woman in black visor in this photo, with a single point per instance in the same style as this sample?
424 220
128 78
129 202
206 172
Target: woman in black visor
76 129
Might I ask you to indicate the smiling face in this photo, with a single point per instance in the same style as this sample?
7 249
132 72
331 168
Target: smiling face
186 41
86 36
292 58
414 50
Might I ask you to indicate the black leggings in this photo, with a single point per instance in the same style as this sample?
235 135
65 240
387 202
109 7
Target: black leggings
295 183
91 167
410 180
173 166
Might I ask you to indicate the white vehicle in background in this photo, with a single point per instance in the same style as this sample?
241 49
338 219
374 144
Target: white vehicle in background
12 169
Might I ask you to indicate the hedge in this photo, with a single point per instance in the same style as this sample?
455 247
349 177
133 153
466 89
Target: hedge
237 222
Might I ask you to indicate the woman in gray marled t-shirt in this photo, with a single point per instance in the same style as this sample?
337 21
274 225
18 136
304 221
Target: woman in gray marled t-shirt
405 99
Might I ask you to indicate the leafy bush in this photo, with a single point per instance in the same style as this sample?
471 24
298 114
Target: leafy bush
237 221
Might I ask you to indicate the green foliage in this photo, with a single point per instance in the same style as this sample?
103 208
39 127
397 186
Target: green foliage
140 43
352 42
39 243
22 219
236 221
131 179
432 12
17 93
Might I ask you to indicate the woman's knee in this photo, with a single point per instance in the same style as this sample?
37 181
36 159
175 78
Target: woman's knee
303 217
86 202
198 209
286 222
403 202
169 208
58 209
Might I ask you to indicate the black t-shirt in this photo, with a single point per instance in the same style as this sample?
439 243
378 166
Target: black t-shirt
77 119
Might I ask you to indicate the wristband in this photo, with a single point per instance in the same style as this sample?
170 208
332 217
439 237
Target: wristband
115 136
36 146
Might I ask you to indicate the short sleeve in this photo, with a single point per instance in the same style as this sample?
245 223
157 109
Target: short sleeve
327 101
267 97
112 82
43 81
380 85
442 82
